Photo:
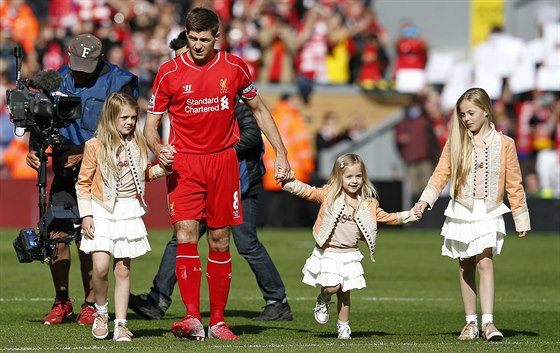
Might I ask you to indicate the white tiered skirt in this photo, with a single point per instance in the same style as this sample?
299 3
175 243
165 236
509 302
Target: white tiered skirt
328 268
467 233
121 233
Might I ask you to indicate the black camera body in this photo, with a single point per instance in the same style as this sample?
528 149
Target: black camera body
36 111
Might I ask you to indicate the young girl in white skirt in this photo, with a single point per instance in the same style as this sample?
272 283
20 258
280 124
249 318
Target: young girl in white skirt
480 163
349 212
114 168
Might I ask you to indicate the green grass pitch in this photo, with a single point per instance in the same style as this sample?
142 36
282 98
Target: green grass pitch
411 303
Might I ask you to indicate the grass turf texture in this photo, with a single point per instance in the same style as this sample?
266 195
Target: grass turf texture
412 302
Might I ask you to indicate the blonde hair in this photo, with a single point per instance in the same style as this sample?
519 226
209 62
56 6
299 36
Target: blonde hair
367 191
110 140
460 140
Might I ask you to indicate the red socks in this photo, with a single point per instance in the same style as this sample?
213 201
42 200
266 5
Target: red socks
189 274
218 273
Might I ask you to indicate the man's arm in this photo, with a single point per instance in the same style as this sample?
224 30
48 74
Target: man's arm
268 126
164 153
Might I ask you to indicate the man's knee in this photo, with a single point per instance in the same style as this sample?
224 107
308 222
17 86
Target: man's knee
218 238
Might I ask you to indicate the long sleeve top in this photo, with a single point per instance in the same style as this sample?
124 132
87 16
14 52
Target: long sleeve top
502 174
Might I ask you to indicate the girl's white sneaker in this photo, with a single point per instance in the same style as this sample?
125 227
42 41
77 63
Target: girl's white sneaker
344 332
321 311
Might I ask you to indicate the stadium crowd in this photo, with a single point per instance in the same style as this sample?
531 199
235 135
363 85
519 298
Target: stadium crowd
304 43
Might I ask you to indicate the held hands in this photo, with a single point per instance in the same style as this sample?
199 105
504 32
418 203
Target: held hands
88 227
166 156
289 177
282 170
419 209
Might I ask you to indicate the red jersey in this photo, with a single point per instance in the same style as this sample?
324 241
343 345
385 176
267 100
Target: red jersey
200 101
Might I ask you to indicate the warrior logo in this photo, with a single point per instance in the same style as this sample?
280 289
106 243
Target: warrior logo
187 89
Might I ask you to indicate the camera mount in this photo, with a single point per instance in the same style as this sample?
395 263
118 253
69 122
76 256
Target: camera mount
41 113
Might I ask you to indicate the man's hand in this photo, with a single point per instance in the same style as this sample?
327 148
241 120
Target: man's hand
32 160
282 169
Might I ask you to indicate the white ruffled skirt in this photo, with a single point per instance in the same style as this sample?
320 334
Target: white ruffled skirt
467 233
328 268
121 233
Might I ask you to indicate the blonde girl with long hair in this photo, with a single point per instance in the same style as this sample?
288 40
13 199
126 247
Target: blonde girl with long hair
113 172
480 164
349 213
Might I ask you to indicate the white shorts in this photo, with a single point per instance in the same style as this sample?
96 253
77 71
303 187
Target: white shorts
121 233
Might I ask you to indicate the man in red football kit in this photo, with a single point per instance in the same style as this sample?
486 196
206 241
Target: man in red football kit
197 89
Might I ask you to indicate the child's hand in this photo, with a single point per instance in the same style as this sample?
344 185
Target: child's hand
419 209
413 214
88 227
291 175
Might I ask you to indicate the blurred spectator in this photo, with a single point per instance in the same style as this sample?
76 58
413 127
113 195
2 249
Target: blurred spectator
543 121
277 40
417 145
440 121
411 48
547 163
14 158
502 119
340 49
293 128
50 48
373 62
62 14
525 111
330 133
311 40
6 126
370 40
19 18
241 39
532 185
295 133
355 129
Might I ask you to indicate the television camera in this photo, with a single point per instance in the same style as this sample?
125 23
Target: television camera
34 107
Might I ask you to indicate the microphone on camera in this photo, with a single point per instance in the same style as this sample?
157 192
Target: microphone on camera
46 81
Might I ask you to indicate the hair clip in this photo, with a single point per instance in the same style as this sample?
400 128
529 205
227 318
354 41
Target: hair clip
341 165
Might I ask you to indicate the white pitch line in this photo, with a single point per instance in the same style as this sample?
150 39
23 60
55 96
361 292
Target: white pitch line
379 299
28 349
280 346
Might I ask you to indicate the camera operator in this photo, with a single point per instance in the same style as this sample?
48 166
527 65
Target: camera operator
92 79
